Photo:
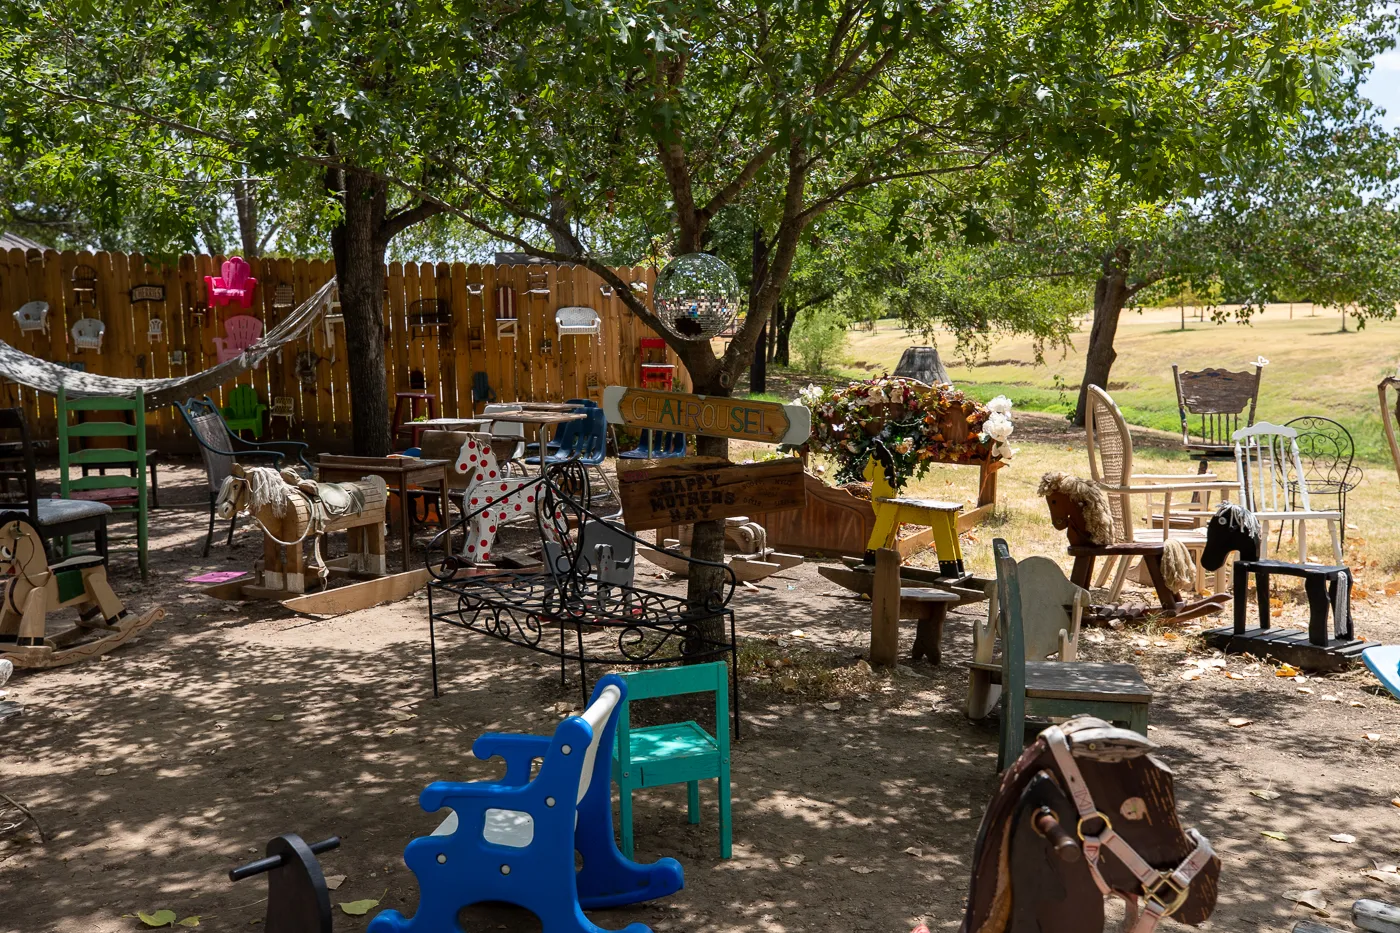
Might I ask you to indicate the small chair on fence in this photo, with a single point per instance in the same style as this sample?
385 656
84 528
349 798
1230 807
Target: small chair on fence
244 411
1217 398
234 285
518 840
1327 453
241 331
220 447
654 373
33 317
675 753
1112 692
1049 623
88 333
114 491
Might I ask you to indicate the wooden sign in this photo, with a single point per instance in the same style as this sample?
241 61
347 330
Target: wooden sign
697 489
148 293
710 415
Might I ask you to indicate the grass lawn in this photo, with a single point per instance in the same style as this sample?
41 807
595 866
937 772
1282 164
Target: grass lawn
1313 369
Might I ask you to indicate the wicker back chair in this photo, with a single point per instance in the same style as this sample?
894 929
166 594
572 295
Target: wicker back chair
1218 399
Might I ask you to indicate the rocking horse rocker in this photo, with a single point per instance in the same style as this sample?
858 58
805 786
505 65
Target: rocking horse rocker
33 589
1081 510
1234 528
1085 813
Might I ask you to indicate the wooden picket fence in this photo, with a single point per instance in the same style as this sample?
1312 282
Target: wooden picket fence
536 364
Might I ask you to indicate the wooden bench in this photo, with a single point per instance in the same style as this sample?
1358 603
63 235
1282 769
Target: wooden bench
924 604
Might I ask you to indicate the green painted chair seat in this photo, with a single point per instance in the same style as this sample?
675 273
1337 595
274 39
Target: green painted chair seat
670 754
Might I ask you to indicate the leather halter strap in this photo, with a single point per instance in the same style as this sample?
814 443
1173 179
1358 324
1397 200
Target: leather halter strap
1162 893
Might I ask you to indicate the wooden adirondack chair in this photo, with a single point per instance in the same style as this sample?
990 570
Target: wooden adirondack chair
244 411
240 330
234 286
1113 692
1049 624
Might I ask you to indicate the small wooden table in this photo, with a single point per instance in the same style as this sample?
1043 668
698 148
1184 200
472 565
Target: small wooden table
446 424
399 473
541 420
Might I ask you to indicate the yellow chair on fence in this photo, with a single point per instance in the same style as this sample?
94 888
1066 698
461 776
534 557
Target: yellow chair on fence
892 510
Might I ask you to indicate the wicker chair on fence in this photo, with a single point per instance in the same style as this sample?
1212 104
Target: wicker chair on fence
1218 399
1111 467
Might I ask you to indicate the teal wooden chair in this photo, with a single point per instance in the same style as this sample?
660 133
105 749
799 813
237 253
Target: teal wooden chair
675 753
124 494
244 411
1113 692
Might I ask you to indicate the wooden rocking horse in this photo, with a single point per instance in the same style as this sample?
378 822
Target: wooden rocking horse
1081 510
291 509
492 498
1085 813
33 589
892 510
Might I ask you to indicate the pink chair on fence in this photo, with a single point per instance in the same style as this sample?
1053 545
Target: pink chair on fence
235 286
240 332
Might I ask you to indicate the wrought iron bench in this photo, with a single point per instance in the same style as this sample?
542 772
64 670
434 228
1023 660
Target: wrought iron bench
571 606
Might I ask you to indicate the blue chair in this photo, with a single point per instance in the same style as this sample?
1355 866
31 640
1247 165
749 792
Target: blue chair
588 441
650 446
514 840
675 753
673 445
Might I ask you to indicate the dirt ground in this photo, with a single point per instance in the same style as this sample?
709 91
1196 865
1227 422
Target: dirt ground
155 770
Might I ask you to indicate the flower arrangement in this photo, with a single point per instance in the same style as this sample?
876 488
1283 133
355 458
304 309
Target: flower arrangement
919 424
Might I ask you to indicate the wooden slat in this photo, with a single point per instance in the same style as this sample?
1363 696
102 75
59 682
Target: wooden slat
458 353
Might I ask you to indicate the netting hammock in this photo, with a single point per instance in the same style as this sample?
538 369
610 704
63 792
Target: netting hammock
47 377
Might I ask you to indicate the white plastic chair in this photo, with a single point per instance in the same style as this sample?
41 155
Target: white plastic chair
1269 467
507 429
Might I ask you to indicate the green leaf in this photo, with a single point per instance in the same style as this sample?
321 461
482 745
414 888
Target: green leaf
161 918
1281 837
359 908
190 921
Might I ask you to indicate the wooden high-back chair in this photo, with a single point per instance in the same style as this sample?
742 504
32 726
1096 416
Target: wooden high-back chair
1218 399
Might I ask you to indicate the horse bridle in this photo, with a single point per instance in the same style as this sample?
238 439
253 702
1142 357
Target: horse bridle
1163 892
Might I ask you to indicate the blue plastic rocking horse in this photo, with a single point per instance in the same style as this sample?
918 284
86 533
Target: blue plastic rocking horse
514 841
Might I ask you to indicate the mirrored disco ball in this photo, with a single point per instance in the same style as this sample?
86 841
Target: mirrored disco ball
697 296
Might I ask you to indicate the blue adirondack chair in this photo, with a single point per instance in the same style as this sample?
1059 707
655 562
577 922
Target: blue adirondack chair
513 841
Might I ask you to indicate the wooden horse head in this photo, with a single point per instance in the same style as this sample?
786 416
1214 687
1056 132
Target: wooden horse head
248 490
1083 814
1231 528
477 461
881 472
1078 508
22 557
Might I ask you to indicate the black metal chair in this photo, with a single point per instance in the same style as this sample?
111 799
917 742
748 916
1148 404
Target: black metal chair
220 447
54 519
1327 451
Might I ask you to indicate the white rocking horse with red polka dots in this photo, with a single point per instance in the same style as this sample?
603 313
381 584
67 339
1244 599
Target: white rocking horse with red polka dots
496 498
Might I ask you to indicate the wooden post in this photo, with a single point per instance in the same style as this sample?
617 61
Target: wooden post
884 609
1376 916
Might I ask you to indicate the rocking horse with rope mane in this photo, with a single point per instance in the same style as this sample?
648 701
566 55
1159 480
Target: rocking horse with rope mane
33 588
1084 814
291 509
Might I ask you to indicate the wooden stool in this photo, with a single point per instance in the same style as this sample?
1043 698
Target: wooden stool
889 603
1322 647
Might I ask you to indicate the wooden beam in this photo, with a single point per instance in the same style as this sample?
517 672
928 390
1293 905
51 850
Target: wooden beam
884 610
359 596
1376 916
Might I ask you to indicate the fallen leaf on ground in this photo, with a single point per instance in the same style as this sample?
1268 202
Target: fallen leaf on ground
161 918
1331 698
1234 676
1372 736
359 908
190 921
276 717
834 705
794 860
398 715
1191 675
1239 722
1274 834
1312 897
798 633
1344 838
1305 689
1395 801
1286 670
1385 876
1357 703
914 851
1265 794
104 772
334 881
861 869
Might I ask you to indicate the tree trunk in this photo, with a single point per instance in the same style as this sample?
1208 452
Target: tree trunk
245 203
758 369
758 372
1111 293
359 267
787 317
706 584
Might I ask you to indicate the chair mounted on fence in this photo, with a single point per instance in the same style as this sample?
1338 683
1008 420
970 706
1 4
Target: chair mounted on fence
245 411
516 840
233 286
33 317
241 331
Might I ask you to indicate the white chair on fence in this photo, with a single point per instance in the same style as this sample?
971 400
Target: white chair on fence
1270 469
88 333
33 316
507 429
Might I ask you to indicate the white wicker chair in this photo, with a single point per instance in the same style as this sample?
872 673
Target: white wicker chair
32 317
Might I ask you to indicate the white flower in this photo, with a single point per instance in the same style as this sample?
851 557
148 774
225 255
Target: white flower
810 396
1260 362
1001 405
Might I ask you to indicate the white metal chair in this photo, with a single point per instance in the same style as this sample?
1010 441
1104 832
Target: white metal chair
1270 471
1111 467
33 316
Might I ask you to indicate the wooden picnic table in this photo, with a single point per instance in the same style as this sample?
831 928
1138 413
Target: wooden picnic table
541 420
400 473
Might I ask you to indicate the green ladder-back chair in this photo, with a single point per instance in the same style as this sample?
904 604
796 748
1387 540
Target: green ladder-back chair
72 456
675 753
1113 692
244 411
